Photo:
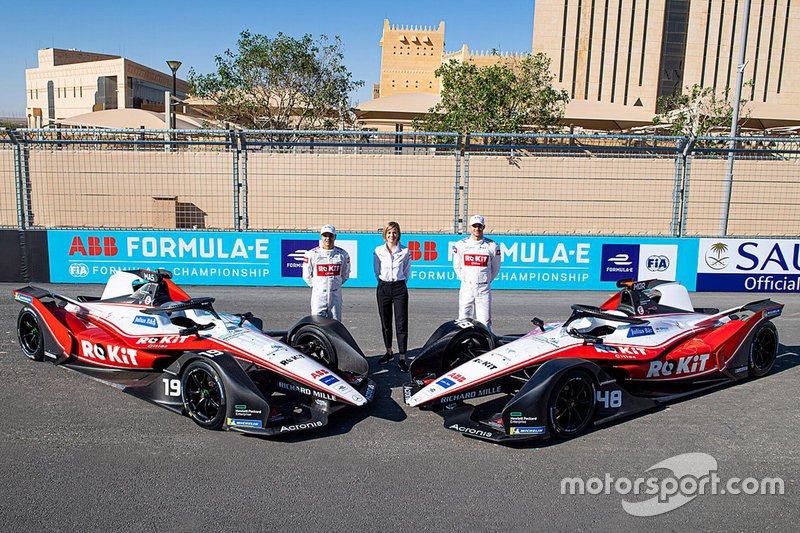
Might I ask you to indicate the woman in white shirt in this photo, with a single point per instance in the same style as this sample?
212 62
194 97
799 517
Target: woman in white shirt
392 265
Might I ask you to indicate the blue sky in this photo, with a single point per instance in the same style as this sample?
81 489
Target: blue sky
194 32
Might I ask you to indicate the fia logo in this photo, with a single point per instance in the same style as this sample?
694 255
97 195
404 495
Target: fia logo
657 263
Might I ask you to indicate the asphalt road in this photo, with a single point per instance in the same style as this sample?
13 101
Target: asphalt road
77 455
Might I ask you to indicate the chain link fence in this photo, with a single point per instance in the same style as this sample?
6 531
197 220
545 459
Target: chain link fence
429 183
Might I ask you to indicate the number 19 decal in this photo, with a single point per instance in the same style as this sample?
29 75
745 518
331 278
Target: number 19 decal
612 399
172 387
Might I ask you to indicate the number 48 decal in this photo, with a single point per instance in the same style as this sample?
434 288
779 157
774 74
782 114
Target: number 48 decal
612 399
172 387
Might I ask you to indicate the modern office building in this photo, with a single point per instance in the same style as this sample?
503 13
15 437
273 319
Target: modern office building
617 57
67 83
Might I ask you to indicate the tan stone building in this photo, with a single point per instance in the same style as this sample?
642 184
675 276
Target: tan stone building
67 83
408 85
616 57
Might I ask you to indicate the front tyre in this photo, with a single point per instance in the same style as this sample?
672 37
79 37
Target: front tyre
571 405
763 350
203 395
466 346
29 333
314 343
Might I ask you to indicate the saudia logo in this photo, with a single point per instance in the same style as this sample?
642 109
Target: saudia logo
715 256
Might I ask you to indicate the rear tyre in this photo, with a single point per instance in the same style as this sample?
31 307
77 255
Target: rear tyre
29 333
466 346
571 406
203 394
315 344
763 350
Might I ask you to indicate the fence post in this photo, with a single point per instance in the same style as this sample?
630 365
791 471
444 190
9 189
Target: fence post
465 188
20 179
677 190
237 223
457 185
687 165
243 181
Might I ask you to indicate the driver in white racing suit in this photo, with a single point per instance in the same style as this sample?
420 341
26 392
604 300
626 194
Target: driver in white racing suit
325 269
476 261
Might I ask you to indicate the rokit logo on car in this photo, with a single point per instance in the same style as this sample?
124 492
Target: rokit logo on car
689 364
109 353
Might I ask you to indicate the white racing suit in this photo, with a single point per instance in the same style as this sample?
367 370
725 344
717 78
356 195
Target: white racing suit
325 271
476 264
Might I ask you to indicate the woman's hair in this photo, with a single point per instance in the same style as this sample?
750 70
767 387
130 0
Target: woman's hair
391 225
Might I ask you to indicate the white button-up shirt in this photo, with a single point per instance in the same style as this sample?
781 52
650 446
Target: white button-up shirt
391 266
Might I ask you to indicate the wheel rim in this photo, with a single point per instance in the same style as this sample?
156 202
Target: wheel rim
29 334
765 346
573 405
203 395
312 346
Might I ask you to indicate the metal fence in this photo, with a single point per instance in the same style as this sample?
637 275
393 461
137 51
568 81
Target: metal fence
290 180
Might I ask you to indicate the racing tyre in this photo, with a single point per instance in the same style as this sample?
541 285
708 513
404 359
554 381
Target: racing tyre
571 406
29 333
466 346
203 395
763 349
313 342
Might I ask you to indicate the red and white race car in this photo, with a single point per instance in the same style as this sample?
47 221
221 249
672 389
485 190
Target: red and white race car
146 336
644 346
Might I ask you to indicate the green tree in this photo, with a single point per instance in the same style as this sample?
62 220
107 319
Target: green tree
280 83
699 111
508 97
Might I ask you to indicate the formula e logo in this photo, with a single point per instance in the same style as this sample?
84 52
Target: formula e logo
657 263
93 247
689 364
425 251
78 270
715 258
619 261
292 252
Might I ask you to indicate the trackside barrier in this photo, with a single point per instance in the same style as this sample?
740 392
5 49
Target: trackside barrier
642 187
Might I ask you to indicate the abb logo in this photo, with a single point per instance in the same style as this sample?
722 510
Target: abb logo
93 246
476 260
425 251
329 270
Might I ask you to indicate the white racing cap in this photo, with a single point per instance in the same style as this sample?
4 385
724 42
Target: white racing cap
476 219
327 228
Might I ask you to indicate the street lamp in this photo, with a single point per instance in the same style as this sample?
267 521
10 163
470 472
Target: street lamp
174 66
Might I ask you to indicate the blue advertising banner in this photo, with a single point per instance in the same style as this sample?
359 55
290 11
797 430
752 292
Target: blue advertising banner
276 259
748 265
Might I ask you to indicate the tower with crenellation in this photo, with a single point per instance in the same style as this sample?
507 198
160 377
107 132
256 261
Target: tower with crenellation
409 59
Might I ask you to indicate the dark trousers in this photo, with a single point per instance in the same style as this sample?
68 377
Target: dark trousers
393 294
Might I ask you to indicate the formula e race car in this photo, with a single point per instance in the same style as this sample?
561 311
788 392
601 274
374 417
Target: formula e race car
146 336
644 346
